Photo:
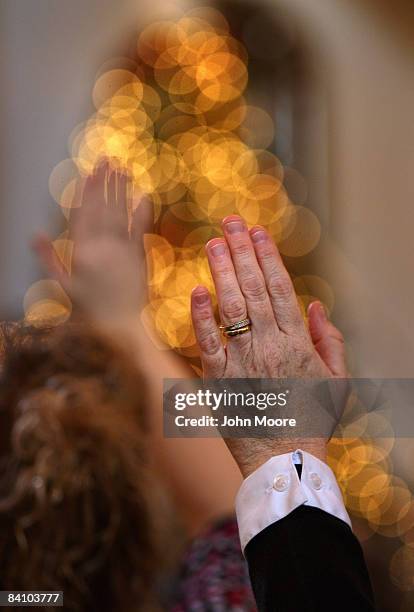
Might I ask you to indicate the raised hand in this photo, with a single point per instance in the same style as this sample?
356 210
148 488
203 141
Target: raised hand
252 282
107 279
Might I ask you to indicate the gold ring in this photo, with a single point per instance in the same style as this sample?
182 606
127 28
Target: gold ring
236 329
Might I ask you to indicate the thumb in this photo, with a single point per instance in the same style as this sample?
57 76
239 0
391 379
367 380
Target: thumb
327 339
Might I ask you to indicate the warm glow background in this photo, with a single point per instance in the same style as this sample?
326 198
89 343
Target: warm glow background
345 135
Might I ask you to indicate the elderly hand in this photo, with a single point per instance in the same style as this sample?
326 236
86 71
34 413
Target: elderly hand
252 281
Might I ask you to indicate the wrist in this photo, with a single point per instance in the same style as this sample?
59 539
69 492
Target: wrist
263 450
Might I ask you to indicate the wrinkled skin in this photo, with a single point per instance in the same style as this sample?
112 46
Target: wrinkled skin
252 281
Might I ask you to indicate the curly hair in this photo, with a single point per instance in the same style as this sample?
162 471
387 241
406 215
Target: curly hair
76 512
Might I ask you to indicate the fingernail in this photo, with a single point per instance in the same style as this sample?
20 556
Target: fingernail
322 311
234 227
218 249
201 298
259 236
100 166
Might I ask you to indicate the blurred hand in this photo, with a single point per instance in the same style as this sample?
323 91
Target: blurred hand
107 280
252 281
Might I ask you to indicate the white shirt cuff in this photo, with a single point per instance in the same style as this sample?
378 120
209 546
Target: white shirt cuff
274 490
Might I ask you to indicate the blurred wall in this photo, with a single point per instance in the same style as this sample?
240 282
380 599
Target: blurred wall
367 65
50 52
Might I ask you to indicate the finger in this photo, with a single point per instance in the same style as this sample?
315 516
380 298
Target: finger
47 255
115 213
213 356
231 303
327 339
248 272
278 282
85 222
142 223
75 211
104 209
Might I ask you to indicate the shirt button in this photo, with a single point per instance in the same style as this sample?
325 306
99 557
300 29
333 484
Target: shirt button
281 483
315 480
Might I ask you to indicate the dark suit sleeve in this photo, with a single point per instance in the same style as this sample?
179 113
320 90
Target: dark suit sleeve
309 561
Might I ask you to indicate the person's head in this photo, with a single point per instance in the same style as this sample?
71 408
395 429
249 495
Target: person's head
76 512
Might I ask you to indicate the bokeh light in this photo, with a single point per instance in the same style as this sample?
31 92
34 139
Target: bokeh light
176 118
